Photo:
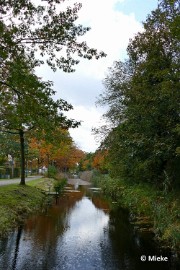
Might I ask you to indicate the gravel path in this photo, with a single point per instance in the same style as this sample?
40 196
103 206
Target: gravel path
17 180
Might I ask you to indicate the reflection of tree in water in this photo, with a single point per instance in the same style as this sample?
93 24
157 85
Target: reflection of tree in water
41 234
40 244
97 199
124 246
100 203
116 243
55 221
18 238
11 245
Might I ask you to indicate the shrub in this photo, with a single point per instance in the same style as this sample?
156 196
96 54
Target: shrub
52 171
59 185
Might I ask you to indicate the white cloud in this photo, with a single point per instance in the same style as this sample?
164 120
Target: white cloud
110 32
90 117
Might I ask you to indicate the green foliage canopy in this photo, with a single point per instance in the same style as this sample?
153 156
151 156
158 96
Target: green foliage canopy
47 28
32 34
30 106
143 97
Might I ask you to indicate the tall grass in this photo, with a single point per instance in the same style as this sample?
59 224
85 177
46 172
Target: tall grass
143 200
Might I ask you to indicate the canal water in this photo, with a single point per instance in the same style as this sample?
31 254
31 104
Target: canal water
81 231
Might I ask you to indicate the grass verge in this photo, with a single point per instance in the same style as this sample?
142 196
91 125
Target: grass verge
17 202
45 184
149 205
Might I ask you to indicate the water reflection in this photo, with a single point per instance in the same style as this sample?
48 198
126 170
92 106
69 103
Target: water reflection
19 232
78 232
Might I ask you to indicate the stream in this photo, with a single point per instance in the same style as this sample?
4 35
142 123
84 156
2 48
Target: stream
81 231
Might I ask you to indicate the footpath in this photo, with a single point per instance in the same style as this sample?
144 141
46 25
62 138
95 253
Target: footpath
17 180
75 181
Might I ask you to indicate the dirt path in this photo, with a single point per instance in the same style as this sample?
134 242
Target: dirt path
17 180
78 182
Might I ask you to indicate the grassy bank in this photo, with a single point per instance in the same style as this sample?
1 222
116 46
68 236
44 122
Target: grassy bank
44 184
148 205
17 202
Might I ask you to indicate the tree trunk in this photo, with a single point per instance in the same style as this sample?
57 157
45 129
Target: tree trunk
12 168
21 134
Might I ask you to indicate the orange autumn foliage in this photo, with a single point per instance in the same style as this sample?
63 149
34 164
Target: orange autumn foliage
99 160
62 152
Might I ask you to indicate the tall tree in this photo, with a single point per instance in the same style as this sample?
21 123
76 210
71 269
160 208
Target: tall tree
154 99
31 107
31 34
144 102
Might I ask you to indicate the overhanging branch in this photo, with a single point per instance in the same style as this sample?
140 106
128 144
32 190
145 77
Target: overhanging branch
8 85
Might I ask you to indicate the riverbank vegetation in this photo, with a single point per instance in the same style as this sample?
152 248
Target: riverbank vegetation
147 206
142 131
16 203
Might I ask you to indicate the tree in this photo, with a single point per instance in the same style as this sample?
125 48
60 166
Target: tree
99 161
143 95
154 99
31 107
60 152
67 157
48 28
48 149
41 150
85 163
31 33
10 147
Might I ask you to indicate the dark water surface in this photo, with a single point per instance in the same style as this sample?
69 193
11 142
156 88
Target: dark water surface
80 232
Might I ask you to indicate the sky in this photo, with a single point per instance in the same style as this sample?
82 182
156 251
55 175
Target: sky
113 23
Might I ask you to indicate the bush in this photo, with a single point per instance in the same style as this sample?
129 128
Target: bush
52 171
59 185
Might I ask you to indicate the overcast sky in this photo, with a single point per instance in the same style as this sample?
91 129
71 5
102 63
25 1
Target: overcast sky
113 23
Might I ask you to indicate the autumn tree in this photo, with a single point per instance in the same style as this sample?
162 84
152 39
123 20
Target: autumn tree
49 149
31 34
99 161
60 151
31 107
41 150
86 162
68 157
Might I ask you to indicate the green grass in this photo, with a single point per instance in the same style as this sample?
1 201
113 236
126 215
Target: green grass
34 182
17 202
44 184
148 204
